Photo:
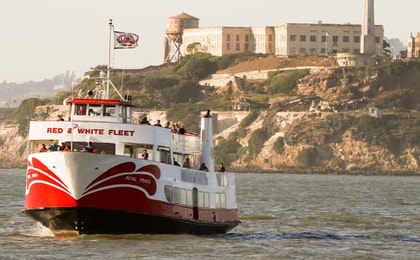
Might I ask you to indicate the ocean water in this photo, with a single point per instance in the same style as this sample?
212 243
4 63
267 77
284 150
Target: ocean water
283 217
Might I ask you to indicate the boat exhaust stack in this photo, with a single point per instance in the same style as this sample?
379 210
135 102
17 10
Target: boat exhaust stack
206 138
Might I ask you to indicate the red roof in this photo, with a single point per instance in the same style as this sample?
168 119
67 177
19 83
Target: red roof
100 101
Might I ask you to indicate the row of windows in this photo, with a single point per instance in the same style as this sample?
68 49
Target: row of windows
313 38
247 37
246 47
313 51
185 197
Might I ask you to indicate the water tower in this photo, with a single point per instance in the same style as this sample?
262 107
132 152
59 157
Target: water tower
173 39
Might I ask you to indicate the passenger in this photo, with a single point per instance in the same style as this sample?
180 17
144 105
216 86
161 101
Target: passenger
181 130
187 163
144 121
102 152
167 124
67 149
145 155
221 168
60 117
81 111
53 147
158 123
176 163
43 149
203 167
173 129
62 147
207 115
90 148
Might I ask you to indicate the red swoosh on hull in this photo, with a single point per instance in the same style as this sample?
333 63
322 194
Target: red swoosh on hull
44 188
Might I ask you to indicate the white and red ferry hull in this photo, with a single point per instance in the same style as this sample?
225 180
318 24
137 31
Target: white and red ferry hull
90 193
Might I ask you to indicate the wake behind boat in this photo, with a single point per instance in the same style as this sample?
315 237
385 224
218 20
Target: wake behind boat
106 184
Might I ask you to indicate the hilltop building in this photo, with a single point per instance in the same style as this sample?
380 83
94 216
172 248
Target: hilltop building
352 44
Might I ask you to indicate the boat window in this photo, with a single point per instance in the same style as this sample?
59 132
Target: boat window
128 114
169 193
203 199
108 148
80 109
177 195
189 198
109 110
183 197
130 150
164 155
136 150
122 113
222 180
94 110
220 200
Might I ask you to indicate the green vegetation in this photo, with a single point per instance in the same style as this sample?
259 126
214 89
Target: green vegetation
283 82
278 145
228 150
26 112
249 119
256 142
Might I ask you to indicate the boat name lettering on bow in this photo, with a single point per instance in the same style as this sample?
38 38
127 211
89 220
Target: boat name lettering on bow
130 178
142 180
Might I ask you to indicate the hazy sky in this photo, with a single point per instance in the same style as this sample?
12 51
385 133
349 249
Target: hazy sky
43 38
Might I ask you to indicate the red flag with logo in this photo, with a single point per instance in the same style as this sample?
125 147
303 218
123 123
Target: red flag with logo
123 40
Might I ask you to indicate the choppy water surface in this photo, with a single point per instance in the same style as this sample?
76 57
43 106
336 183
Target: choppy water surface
283 217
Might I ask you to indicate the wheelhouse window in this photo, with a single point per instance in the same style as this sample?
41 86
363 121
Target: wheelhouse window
94 110
105 148
137 150
109 110
80 109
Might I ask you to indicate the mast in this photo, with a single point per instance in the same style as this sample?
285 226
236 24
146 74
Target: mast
111 29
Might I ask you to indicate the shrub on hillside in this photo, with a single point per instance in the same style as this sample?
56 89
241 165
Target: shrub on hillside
227 151
284 82
249 119
278 145
256 142
26 112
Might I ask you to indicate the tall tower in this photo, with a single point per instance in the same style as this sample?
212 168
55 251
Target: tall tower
173 39
367 43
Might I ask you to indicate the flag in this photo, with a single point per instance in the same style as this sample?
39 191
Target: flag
124 40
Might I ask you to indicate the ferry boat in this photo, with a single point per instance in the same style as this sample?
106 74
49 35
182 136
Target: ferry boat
110 188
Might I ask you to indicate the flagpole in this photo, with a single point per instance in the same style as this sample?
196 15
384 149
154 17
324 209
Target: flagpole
111 29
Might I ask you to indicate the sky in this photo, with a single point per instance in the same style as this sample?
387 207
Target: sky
43 38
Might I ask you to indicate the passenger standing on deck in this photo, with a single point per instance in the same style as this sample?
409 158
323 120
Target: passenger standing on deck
221 167
187 163
158 123
181 130
90 148
43 148
203 167
53 147
145 155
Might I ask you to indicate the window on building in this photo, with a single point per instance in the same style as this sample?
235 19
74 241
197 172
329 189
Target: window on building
237 37
377 39
357 39
238 47
346 38
303 38
270 37
228 46
346 50
313 38
357 51
292 38
302 51
246 46
312 51
247 38
335 38
324 38
228 37
293 51
323 51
